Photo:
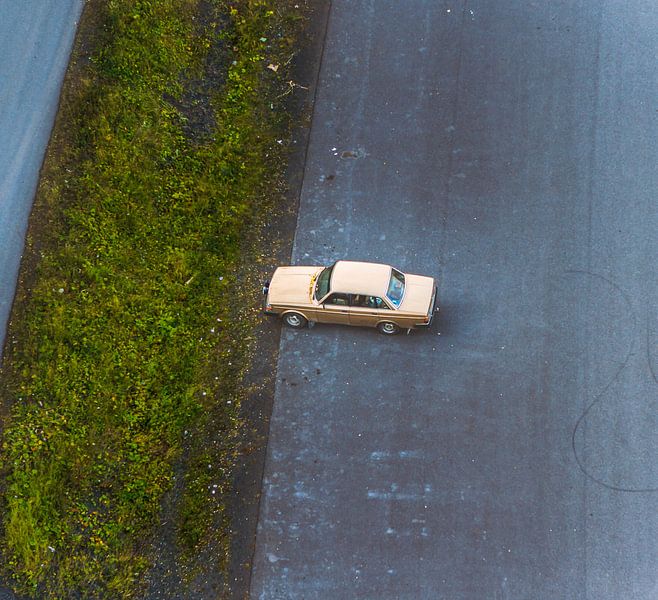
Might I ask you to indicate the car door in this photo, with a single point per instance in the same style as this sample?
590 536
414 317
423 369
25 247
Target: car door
368 310
335 309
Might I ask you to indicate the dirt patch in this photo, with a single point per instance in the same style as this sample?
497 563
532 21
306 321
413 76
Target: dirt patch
196 103
257 408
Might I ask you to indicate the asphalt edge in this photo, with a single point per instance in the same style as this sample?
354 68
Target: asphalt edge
6 328
306 68
29 251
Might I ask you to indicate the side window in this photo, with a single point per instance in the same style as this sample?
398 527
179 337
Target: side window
358 300
369 302
338 300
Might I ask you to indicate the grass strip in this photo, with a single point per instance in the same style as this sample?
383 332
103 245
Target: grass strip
122 333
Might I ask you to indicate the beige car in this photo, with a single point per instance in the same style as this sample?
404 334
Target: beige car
351 293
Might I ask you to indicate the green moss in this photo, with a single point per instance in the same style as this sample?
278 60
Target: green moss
119 343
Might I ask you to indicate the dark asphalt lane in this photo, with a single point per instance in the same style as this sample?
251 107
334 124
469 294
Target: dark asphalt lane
35 43
509 149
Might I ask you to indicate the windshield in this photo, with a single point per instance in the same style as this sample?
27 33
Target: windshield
322 283
396 288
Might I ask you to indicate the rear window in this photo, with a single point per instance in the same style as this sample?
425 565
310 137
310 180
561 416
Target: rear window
395 291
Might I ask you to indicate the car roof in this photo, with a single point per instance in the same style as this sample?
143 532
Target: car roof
352 277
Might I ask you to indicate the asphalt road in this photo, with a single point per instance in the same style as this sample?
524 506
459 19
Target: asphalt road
507 148
35 43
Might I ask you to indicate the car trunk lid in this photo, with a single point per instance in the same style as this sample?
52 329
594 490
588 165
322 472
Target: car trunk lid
418 294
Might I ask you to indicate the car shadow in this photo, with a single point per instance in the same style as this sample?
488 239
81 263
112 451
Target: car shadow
443 324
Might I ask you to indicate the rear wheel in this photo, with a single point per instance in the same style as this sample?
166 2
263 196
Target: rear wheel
295 320
388 328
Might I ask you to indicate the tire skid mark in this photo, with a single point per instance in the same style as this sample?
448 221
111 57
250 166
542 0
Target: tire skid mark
599 397
650 358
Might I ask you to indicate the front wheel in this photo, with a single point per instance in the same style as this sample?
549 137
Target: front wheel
295 320
388 328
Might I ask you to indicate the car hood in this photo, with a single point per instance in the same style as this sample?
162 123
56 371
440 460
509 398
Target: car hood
292 285
418 294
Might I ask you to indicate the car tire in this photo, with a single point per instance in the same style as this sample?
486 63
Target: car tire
295 320
388 328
